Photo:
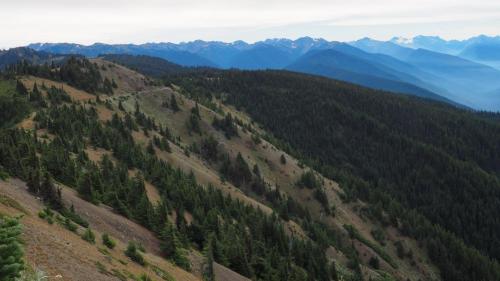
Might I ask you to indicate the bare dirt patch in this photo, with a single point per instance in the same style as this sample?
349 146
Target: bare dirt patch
96 154
28 123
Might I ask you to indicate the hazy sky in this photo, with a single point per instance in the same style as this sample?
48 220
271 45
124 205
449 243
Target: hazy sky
120 21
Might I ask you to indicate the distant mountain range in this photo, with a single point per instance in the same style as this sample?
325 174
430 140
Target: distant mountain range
458 72
14 55
483 49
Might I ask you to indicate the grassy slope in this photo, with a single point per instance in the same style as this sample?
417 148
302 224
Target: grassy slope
56 250
265 155
118 225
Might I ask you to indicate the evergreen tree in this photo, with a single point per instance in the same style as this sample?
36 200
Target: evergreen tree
120 106
196 111
50 193
173 103
241 173
34 181
208 269
209 148
11 251
150 148
333 272
172 247
283 159
36 96
21 89
193 124
85 187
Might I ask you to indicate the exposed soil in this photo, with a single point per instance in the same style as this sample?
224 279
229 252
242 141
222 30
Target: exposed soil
56 250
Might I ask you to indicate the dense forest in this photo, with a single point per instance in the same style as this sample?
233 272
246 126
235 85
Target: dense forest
431 167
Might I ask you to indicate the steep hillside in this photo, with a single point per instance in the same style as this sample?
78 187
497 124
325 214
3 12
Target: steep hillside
268 160
55 250
421 162
275 201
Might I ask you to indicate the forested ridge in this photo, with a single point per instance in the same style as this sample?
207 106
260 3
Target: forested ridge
424 167
233 233
431 167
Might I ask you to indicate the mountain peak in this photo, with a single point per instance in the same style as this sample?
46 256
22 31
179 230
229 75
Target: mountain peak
401 40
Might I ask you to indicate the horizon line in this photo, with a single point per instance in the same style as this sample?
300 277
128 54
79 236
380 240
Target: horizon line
249 41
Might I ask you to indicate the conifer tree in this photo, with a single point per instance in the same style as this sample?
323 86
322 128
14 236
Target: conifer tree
170 241
11 251
120 106
34 181
283 159
85 188
173 103
208 269
21 89
50 193
333 272
172 247
196 111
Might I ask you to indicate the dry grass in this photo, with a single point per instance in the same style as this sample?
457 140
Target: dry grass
128 81
28 123
267 157
75 94
96 154
58 251
152 193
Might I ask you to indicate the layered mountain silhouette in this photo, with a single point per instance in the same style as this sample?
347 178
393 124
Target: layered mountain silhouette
463 80
483 49
15 55
457 72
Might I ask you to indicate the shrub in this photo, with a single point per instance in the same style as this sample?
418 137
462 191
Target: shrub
374 262
47 214
107 241
283 159
309 180
72 215
134 254
89 236
144 277
3 175
70 225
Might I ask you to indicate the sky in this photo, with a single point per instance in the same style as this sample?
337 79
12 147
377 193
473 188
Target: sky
140 21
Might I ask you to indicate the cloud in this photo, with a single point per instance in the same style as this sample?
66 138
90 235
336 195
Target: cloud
87 21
